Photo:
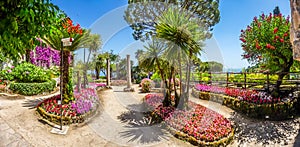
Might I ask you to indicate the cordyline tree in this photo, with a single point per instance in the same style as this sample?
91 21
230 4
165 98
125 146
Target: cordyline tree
142 15
21 21
182 26
266 42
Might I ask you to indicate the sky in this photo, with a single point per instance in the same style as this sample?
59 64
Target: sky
105 17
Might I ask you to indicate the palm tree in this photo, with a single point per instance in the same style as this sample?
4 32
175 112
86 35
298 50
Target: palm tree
93 45
54 41
153 58
183 34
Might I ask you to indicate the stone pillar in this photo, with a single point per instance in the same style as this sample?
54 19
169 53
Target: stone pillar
128 88
128 72
295 29
108 72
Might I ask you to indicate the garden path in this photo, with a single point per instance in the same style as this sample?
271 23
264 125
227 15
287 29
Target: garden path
122 123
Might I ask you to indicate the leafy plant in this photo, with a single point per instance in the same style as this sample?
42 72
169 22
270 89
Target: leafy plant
266 42
6 74
27 73
32 88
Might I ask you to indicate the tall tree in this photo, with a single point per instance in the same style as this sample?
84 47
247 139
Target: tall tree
53 39
93 44
21 21
266 42
142 16
184 34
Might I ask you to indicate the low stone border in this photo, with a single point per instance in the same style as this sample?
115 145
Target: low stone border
275 111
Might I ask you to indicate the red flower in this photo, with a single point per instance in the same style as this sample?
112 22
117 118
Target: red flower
275 30
281 40
257 45
268 45
243 40
272 47
285 34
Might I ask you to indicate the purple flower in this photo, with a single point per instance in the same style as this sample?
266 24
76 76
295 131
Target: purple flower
9 71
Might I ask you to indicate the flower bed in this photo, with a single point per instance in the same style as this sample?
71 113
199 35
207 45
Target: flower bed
199 125
249 102
32 88
85 104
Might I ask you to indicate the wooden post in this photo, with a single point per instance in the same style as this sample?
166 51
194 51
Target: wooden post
210 78
245 80
227 79
268 82
78 82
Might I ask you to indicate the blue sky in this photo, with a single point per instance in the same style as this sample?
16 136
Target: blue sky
106 18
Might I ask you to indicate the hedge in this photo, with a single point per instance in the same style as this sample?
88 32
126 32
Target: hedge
32 88
275 111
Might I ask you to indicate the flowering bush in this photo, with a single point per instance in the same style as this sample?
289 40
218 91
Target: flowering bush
146 84
199 122
85 100
251 96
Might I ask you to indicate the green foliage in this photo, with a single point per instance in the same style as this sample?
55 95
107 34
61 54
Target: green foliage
21 21
266 42
141 15
32 88
211 66
69 96
27 73
6 74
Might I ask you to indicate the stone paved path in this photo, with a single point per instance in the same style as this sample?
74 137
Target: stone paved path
121 122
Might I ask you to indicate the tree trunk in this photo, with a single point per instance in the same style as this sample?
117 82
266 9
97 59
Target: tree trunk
27 55
97 71
295 28
66 89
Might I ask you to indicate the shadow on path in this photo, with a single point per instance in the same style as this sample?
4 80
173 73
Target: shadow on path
32 103
297 140
263 131
141 127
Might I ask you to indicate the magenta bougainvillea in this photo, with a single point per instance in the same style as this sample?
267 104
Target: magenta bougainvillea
45 57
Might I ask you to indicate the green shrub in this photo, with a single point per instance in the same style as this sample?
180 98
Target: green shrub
32 88
27 73
6 74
